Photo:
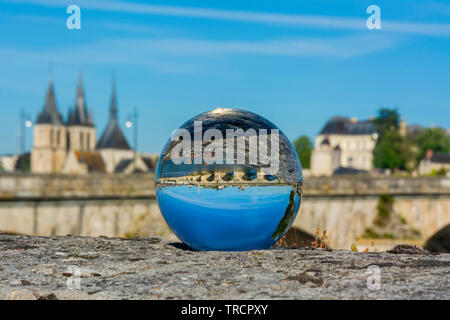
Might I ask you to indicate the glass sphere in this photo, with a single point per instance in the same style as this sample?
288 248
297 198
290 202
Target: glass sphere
228 179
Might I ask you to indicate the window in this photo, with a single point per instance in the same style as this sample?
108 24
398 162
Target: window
51 136
88 141
58 137
350 161
81 140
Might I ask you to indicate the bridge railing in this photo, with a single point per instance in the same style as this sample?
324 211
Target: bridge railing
23 186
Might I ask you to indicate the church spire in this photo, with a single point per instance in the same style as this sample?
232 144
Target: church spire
113 137
113 106
80 91
80 106
50 101
50 114
79 115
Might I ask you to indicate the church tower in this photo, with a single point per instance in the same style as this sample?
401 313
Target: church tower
49 138
80 125
113 145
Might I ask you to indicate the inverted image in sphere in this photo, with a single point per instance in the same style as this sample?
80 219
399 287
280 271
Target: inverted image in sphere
228 179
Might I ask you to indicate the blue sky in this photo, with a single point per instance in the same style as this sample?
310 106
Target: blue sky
296 63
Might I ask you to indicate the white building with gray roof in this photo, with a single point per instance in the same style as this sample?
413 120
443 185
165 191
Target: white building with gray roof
343 143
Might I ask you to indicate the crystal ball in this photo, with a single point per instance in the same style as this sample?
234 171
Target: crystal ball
228 179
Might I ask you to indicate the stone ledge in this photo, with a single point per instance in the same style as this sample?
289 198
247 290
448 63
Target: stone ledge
152 268
33 187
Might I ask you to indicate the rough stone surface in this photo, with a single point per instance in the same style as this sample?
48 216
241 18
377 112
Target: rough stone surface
152 268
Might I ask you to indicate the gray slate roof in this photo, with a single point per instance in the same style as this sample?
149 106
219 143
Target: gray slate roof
440 158
123 165
79 115
151 165
342 125
348 170
113 137
50 113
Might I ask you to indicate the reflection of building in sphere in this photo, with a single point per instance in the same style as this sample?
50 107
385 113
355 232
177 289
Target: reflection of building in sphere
229 205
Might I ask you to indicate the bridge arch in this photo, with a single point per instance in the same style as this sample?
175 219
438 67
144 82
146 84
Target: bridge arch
440 241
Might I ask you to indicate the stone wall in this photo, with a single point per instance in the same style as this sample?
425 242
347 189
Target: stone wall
48 186
30 187
367 185
90 205
346 218
113 218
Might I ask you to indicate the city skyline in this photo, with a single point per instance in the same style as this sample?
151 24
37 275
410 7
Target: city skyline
297 65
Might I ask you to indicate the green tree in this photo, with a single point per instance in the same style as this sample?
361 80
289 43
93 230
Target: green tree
435 139
392 151
24 162
387 120
304 146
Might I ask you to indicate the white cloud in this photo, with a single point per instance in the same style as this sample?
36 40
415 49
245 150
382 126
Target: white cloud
178 54
335 47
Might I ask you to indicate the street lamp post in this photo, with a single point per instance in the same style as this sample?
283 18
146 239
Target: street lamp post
25 122
132 121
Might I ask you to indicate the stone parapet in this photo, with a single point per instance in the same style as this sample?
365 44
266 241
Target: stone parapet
41 186
21 186
152 268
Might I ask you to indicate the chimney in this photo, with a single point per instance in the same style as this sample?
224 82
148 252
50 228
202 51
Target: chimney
403 128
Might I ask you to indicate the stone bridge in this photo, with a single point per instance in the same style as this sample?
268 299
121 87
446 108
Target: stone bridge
125 205
346 206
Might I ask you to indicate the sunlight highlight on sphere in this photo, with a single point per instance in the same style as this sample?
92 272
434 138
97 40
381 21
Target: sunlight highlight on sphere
228 179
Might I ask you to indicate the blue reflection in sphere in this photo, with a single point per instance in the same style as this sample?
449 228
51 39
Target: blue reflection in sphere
232 205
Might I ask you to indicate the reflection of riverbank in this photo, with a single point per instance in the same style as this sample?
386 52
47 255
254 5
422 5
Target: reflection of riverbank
163 183
285 223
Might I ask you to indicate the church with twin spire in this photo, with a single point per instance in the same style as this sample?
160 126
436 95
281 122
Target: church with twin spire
71 146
